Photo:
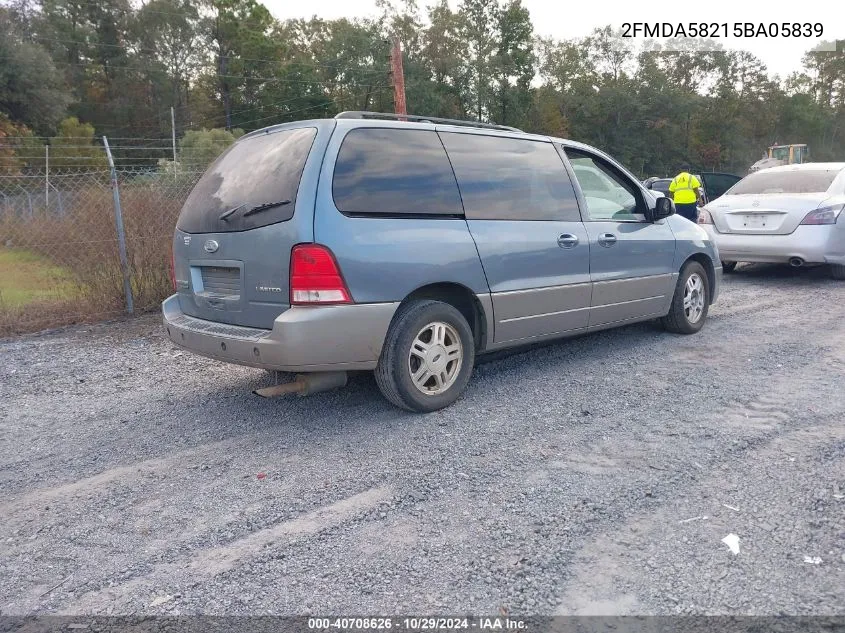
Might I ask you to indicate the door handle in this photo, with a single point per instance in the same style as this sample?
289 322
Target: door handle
567 240
607 239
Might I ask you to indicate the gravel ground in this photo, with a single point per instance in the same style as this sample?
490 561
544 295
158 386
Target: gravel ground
594 476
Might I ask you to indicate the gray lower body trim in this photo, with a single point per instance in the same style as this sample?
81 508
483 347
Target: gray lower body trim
556 336
623 299
614 303
522 314
319 338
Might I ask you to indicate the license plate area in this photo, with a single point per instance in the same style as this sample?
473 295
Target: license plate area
221 281
217 284
757 221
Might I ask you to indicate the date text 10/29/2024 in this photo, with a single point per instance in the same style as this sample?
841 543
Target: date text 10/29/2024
421 624
722 29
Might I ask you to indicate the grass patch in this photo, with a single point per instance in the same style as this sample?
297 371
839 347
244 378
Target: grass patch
26 278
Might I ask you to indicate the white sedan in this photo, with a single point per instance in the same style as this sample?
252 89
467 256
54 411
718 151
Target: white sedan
791 214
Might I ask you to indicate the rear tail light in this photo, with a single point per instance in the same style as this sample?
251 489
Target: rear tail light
704 217
172 269
825 215
315 277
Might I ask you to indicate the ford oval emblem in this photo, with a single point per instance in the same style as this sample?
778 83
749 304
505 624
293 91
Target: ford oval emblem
210 246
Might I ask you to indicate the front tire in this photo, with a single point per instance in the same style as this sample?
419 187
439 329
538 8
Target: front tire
837 271
691 301
427 358
728 267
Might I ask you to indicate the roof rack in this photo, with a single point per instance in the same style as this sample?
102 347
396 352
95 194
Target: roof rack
361 114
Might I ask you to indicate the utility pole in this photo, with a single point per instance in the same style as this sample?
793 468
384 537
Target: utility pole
173 136
46 176
399 106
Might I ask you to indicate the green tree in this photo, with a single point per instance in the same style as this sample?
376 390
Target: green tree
513 64
168 34
199 148
479 29
19 149
74 147
442 56
32 91
237 31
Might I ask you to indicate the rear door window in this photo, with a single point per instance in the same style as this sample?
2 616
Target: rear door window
392 172
253 184
511 179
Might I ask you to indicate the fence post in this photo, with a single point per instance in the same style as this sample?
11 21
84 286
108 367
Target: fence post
61 203
28 201
121 234
173 136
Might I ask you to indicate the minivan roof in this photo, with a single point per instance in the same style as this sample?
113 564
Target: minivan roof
351 123
392 123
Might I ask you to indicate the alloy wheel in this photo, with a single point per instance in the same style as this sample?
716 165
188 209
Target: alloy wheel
435 358
694 298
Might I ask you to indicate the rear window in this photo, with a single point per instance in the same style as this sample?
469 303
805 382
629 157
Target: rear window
511 179
384 171
256 171
803 181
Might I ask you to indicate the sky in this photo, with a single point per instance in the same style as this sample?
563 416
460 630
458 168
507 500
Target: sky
561 20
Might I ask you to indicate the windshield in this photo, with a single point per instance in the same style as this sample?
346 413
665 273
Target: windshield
803 181
780 153
252 184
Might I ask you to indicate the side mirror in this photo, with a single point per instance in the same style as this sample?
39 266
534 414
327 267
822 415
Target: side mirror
663 208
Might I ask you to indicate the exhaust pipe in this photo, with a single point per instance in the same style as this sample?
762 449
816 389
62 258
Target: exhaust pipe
796 262
306 384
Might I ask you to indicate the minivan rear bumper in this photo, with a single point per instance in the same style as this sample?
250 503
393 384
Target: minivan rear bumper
303 339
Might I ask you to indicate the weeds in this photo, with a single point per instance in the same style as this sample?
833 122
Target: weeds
79 277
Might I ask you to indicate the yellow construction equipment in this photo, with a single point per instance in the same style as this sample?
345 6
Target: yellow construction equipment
783 155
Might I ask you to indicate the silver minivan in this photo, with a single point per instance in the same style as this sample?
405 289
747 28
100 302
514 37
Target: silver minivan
408 247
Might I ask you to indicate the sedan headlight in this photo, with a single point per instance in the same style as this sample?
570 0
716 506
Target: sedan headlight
825 215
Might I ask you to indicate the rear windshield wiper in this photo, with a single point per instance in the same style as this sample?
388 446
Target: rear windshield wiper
263 207
225 215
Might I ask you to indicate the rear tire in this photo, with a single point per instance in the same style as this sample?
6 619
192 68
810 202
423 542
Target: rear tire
728 267
837 271
691 301
427 358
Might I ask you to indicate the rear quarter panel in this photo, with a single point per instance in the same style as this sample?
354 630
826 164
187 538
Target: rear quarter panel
385 259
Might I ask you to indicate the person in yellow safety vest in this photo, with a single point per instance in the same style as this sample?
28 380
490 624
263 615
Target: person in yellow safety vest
686 192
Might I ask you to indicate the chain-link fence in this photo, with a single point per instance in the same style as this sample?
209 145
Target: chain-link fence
60 250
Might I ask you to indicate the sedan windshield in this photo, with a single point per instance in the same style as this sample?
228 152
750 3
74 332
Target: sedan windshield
798 181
